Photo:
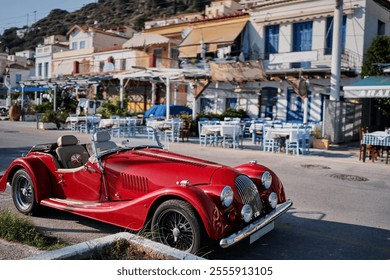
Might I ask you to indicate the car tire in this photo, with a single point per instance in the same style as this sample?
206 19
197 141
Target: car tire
23 193
176 224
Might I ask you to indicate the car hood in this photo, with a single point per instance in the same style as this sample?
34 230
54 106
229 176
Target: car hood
160 167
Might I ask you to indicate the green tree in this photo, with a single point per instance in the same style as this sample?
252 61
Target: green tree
377 55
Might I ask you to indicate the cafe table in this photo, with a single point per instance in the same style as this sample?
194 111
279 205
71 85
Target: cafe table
377 138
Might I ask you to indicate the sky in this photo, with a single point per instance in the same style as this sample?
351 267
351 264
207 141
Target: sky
18 13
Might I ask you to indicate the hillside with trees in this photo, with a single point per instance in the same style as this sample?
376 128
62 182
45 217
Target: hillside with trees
104 14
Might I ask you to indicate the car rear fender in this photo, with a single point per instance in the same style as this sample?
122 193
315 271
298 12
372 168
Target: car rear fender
38 172
211 216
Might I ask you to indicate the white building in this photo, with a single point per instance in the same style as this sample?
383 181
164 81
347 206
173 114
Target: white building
84 42
44 55
294 40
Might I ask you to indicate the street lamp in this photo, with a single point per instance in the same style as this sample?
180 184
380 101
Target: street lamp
7 83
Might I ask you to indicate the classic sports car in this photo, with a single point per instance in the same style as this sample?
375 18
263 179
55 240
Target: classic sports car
185 202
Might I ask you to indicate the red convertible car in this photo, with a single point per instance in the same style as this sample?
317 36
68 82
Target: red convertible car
185 202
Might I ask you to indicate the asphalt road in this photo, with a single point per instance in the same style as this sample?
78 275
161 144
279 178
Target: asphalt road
341 206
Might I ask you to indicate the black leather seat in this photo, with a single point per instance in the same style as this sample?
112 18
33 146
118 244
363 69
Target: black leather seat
70 153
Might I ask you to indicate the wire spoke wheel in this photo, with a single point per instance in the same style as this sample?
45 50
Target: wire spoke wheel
175 224
23 192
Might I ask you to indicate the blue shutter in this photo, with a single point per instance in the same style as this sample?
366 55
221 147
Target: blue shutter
329 34
302 41
271 39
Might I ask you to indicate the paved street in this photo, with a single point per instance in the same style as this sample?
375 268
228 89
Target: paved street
340 206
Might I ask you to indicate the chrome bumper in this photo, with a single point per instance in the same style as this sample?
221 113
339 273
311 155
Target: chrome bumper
257 225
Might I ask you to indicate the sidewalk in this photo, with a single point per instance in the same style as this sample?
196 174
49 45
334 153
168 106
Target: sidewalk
346 150
341 151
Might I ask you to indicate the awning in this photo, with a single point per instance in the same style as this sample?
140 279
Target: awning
237 71
141 40
371 87
212 37
65 67
30 89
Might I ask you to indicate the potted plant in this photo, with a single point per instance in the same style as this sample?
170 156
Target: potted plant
48 119
319 141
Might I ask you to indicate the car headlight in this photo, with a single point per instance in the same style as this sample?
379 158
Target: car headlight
273 200
266 180
227 196
246 213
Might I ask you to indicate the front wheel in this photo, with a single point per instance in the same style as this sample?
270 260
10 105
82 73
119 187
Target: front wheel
23 192
176 224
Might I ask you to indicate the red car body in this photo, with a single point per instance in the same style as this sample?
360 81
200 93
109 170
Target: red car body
127 187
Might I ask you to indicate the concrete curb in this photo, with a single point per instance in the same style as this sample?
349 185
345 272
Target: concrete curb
86 249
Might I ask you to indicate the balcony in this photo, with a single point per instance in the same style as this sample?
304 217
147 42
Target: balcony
316 59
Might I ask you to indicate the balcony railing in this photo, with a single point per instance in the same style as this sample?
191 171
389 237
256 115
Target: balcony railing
349 59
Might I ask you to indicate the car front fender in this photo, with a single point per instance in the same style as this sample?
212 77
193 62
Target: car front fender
212 217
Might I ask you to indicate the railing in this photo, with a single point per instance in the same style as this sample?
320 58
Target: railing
349 59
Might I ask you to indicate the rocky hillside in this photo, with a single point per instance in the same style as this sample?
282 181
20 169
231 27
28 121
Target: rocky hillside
103 14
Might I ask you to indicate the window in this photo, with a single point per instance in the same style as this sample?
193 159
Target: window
18 78
158 57
271 40
122 64
46 70
174 58
74 45
206 105
268 102
381 28
302 41
231 103
82 44
40 70
329 34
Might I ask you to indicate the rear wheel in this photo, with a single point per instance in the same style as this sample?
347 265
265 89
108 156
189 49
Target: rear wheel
23 192
176 224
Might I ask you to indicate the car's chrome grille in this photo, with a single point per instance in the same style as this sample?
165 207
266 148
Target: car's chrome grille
249 193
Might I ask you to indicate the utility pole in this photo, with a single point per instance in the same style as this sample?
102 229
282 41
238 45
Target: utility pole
336 51
174 7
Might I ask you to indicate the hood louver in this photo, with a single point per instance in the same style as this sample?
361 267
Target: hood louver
135 183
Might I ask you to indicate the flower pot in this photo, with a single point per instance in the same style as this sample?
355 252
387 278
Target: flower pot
321 143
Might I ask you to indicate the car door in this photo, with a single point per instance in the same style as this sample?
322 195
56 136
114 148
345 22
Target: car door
82 183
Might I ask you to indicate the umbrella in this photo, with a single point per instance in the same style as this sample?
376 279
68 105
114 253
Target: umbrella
160 110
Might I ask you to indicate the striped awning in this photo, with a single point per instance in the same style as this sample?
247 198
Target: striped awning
141 40
370 87
212 36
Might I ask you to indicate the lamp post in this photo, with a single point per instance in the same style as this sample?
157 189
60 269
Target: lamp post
336 51
7 83
22 104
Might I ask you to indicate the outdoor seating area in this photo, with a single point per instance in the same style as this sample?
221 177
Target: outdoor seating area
374 145
118 126
271 135
266 134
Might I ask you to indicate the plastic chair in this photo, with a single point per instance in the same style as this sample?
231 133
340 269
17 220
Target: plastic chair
304 136
231 135
269 143
173 134
292 143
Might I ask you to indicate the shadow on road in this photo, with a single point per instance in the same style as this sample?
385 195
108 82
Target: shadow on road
298 238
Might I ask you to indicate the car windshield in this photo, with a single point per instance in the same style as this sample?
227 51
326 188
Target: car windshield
112 140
